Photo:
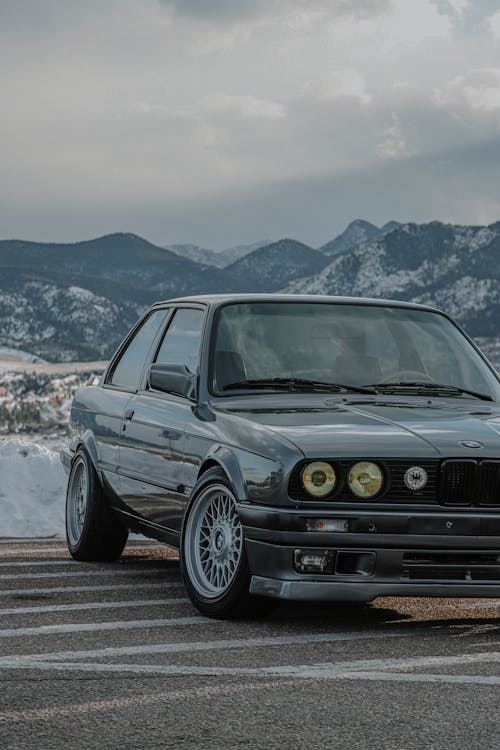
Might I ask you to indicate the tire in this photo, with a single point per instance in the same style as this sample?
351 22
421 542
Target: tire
92 531
214 565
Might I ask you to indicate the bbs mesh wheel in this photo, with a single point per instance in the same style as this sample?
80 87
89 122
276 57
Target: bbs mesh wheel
214 564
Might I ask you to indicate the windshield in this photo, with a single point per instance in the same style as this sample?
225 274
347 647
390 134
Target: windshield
349 344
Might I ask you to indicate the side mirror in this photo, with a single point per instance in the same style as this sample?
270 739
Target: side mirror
175 379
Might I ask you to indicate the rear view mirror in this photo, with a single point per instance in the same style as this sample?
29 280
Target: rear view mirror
175 379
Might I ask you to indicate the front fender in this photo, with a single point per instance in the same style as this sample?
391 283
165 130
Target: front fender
255 478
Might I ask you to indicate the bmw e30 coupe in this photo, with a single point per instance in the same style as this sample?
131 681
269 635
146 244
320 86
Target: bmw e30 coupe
293 447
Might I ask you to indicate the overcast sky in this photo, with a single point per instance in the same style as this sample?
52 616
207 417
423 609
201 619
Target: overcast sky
227 121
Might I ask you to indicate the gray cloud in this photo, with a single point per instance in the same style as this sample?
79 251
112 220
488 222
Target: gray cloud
468 16
290 119
231 10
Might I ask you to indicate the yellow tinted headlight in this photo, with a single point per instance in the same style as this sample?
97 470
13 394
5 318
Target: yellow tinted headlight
365 479
318 478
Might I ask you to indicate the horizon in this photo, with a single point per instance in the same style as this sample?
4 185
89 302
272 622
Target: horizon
170 245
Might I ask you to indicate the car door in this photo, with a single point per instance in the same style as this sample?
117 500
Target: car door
120 382
153 439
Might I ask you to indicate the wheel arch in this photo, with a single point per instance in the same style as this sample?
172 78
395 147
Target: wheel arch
223 458
87 441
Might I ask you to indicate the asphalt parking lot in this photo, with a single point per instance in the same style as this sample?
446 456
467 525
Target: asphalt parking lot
114 656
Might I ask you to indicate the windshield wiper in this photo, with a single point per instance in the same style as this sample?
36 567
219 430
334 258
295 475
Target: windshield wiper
297 383
423 385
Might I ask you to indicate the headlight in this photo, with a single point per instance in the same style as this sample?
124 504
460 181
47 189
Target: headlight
365 479
318 478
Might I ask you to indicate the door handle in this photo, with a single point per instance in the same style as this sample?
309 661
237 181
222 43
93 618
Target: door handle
129 413
170 434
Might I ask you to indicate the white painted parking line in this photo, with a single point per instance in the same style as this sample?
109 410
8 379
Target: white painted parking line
38 540
303 639
85 627
340 671
70 561
35 563
84 574
82 589
411 662
12 550
91 605
454 679
21 551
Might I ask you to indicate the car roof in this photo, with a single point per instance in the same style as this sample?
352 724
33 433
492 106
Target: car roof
216 300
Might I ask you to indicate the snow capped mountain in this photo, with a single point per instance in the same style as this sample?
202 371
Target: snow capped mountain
453 267
62 322
76 301
66 302
272 266
217 258
232 254
198 254
357 232
389 226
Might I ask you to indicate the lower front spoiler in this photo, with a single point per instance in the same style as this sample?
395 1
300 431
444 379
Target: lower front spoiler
362 574
337 591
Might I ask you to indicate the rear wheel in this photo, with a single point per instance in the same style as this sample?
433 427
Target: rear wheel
92 531
214 565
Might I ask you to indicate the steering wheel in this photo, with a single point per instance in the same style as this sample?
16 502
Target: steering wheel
409 375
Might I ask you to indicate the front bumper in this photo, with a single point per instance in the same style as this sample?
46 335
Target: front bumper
431 554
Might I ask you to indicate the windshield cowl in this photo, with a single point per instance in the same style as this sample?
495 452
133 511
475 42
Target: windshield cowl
438 389
293 384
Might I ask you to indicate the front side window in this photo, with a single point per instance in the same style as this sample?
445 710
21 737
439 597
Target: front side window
127 372
344 343
182 341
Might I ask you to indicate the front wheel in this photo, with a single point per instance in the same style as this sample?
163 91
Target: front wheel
214 565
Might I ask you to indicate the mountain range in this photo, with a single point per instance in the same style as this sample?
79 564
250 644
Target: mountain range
357 232
455 268
217 258
76 301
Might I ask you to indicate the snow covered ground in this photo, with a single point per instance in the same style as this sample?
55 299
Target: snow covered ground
35 399
32 488
12 358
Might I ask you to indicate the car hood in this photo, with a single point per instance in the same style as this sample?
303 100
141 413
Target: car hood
383 428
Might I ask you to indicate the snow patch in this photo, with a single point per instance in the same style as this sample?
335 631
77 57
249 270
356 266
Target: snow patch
32 489
10 357
466 295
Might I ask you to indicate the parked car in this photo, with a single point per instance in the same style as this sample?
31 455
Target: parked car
293 447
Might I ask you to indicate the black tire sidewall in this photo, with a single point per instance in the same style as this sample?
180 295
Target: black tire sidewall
103 537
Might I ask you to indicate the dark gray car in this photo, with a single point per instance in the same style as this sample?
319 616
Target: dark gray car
298 447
